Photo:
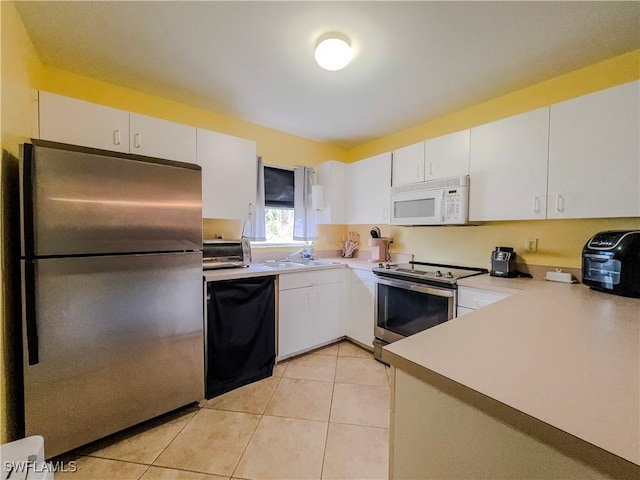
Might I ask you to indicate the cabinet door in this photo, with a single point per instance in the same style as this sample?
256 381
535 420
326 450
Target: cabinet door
159 138
326 313
67 120
228 175
294 321
360 322
367 196
447 156
331 175
594 152
508 167
408 165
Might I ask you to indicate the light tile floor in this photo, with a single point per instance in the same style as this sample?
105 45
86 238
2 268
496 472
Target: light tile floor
321 415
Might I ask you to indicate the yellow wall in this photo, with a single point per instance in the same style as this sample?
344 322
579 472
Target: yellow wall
276 147
20 65
611 72
560 242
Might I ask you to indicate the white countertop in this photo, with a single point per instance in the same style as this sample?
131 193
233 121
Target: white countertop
259 270
562 353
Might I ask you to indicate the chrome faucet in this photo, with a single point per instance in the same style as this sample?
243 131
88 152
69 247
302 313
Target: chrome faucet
288 255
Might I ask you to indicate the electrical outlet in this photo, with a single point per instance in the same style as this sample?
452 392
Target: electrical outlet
531 245
328 238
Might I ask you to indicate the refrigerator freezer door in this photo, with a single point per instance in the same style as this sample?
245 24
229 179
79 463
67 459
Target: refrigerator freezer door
85 201
119 341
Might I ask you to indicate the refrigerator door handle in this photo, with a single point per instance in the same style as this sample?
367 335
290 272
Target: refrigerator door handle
29 312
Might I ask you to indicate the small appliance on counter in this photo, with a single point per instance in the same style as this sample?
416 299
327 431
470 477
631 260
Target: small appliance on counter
380 249
225 254
611 262
503 262
379 246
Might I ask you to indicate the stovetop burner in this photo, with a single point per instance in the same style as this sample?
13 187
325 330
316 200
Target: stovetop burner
423 272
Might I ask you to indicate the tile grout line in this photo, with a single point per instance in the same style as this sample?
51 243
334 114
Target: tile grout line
359 425
149 465
326 437
176 435
145 472
257 424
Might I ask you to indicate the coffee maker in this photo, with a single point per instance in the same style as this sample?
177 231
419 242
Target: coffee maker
503 262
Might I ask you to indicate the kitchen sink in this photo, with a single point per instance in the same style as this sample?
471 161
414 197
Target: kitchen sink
289 264
318 263
282 264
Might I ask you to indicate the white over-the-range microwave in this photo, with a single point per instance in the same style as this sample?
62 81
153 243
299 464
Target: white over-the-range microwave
435 202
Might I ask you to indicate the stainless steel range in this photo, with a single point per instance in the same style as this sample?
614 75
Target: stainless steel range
412 297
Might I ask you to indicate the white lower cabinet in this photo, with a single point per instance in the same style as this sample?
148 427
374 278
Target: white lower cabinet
359 323
309 310
470 299
326 325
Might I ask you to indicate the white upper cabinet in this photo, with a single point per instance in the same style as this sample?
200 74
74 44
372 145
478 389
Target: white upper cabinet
367 190
440 157
67 120
594 155
229 175
508 168
331 175
155 137
447 156
408 165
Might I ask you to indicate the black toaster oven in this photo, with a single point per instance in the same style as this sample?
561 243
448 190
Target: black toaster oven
611 262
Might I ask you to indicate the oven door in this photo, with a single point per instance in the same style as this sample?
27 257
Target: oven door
404 308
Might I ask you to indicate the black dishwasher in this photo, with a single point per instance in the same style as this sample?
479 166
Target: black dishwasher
240 333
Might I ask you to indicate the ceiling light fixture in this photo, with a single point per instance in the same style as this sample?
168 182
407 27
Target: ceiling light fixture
333 51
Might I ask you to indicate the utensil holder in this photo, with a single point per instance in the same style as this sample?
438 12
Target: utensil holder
379 247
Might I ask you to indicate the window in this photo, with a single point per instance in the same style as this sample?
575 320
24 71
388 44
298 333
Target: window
279 194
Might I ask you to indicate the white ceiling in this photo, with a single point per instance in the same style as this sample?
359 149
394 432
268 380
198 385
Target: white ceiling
414 61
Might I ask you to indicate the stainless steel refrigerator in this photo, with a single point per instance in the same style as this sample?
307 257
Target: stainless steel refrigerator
112 299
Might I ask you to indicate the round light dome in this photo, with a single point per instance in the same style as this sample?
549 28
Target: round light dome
333 53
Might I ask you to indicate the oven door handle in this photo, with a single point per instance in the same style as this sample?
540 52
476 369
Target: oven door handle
418 287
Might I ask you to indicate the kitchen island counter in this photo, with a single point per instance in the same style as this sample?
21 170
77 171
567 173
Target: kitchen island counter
564 359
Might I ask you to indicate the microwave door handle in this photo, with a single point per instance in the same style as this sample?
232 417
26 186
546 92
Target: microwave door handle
442 207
